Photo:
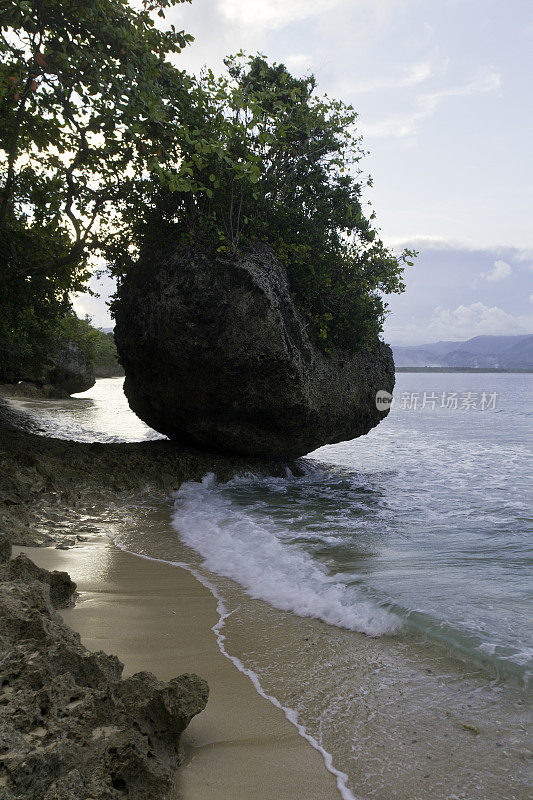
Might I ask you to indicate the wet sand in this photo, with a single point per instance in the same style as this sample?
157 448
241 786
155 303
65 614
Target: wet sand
158 618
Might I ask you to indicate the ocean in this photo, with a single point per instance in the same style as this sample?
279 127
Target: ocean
383 597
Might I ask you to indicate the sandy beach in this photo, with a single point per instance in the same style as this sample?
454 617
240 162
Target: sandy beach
158 618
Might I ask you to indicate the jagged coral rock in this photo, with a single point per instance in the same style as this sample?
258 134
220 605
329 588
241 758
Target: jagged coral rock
70 728
62 588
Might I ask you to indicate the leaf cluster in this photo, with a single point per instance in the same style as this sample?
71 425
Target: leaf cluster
89 101
273 162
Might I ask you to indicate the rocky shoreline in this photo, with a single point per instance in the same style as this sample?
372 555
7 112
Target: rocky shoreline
43 479
70 727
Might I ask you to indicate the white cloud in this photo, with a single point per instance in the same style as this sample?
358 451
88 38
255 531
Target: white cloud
275 14
475 319
402 125
298 62
448 274
272 13
417 74
526 254
500 270
421 240
78 306
95 305
410 76
485 81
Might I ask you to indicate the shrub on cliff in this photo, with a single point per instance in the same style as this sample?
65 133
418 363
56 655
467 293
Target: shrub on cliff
97 346
290 178
38 359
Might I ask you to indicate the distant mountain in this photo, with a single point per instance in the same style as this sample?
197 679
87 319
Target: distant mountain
504 352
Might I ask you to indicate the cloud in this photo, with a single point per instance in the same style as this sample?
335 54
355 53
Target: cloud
96 305
276 14
416 74
475 319
447 299
273 13
298 62
397 126
500 270
402 125
78 306
411 76
526 254
418 240
485 81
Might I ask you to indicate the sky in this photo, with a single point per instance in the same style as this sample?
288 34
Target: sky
443 91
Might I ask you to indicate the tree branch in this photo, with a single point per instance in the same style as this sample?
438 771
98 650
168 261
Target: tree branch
12 152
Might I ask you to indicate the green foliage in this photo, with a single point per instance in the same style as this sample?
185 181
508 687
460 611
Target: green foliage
27 349
106 363
31 302
106 147
99 347
285 173
88 104
87 98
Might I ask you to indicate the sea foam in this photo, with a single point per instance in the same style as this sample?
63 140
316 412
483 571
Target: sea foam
236 545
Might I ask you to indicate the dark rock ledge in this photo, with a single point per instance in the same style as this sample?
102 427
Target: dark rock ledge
44 481
70 727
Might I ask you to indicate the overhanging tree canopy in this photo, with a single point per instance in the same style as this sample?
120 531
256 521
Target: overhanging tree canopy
88 103
87 98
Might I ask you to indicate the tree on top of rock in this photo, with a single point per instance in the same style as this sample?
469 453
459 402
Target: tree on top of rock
290 178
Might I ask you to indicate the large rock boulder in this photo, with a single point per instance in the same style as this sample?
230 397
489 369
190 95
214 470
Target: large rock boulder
70 371
217 356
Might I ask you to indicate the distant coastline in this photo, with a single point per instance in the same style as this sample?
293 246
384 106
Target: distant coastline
459 369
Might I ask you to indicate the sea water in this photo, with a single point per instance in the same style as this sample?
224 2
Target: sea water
422 526
382 597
